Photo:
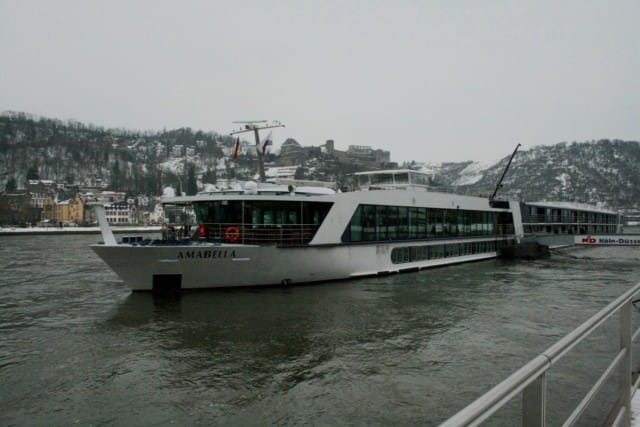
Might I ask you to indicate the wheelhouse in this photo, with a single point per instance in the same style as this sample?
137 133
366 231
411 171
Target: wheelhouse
392 179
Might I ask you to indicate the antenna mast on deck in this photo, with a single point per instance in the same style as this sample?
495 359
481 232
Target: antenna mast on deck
503 174
256 126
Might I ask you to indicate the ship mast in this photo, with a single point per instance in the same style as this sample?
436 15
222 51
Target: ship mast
256 126
503 174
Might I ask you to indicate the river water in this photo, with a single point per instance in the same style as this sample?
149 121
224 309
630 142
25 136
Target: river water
77 347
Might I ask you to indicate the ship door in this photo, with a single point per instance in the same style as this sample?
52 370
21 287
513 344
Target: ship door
167 283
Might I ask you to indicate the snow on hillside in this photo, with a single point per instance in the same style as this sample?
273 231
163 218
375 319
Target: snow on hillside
430 168
473 173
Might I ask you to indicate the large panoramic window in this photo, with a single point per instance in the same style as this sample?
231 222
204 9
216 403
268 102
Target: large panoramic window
261 212
261 221
388 223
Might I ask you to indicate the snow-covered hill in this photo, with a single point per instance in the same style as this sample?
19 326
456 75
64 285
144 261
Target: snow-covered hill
605 171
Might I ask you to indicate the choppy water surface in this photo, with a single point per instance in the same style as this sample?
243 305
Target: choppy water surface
77 347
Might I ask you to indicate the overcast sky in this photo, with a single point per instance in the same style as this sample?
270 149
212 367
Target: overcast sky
428 80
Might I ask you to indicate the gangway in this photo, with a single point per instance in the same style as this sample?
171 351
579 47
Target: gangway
531 379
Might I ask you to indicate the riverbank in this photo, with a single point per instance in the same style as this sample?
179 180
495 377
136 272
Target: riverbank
16 231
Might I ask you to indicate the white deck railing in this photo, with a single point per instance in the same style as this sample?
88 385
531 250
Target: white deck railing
531 379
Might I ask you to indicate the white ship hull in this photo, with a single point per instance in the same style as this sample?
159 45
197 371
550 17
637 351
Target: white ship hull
209 266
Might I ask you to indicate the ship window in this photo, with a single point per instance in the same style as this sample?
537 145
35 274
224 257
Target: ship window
281 217
356 225
401 178
392 222
452 250
382 178
419 179
403 223
256 214
474 222
412 223
222 211
452 217
387 223
436 252
463 218
369 223
421 223
436 222
267 217
381 223
363 180
314 212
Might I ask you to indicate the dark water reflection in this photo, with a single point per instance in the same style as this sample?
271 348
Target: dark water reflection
408 349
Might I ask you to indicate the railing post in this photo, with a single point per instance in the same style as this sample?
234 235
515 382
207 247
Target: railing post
534 402
625 363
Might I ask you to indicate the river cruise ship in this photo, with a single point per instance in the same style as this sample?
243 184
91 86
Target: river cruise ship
277 234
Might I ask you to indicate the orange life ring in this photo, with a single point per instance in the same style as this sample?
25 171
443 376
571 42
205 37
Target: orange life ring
232 233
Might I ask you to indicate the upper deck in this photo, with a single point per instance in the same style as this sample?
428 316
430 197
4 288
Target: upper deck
396 179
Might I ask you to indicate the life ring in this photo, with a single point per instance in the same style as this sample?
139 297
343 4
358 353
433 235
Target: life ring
232 233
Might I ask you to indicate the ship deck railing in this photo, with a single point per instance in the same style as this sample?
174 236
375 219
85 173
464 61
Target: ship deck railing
530 381
263 234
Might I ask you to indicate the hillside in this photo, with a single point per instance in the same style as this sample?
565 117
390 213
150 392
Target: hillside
132 161
590 172
606 171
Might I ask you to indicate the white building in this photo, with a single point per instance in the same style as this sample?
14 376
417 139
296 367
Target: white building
121 213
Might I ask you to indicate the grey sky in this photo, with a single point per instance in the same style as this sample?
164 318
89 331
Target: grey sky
428 80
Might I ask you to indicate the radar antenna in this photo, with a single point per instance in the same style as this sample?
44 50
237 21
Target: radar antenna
256 126
503 174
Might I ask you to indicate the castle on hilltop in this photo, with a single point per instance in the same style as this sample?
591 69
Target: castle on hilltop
292 153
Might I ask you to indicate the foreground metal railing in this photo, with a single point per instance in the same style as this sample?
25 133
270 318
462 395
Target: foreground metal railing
531 379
